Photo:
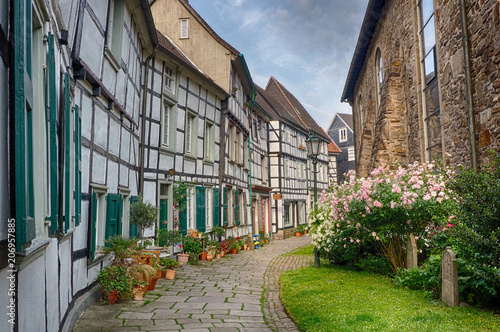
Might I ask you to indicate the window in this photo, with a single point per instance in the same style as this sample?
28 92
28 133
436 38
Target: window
168 80
246 156
286 214
114 35
361 111
184 26
432 118
380 73
190 208
209 141
350 153
343 135
231 142
168 126
238 148
285 169
190 134
264 169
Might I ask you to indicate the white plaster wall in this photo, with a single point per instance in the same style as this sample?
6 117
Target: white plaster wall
153 159
112 177
80 234
92 43
5 300
31 293
124 175
85 169
79 275
109 76
125 145
86 111
114 137
99 169
65 290
166 162
100 9
101 128
121 81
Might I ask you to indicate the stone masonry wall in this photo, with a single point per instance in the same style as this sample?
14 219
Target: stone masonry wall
393 130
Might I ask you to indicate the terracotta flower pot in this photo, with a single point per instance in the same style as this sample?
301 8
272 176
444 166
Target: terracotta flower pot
112 297
209 257
245 247
218 255
235 251
222 254
159 273
138 294
152 283
203 256
298 234
182 258
170 274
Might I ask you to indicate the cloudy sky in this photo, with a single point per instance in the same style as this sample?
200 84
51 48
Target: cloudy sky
307 45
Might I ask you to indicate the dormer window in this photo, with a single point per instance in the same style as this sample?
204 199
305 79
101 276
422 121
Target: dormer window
343 135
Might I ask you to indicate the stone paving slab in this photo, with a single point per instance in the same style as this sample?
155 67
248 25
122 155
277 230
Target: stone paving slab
221 295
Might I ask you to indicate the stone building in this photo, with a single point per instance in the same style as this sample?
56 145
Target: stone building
424 81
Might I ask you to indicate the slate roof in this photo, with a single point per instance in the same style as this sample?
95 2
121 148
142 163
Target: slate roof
348 119
370 21
287 107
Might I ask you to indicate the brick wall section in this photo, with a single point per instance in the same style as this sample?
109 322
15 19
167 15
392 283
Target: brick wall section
393 130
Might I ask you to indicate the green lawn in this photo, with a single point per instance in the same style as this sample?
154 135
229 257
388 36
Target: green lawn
337 299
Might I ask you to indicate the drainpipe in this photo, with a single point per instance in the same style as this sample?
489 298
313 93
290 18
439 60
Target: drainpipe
143 123
253 96
468 85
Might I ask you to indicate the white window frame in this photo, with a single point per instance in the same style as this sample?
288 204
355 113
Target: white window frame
209 141
208 208
350 154
184 28
190 134
168 128
168 79
343 135
113 47
190 209
100 220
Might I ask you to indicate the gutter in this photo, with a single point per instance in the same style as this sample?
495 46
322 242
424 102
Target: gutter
468 86
143 123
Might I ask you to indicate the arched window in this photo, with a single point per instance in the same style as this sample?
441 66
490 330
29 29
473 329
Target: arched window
362 115
380 73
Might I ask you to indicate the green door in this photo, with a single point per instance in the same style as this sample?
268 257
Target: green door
201 220
224 199
163 213
216 207
112 215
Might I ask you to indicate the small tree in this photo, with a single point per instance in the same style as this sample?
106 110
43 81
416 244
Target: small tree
143 215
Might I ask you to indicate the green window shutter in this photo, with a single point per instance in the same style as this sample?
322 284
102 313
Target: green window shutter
133 228
183 215
23 178
201 220
120 214
78 172
67 150
216 207
54 195
93 226
245 218
112 215
236 207
225 207
163 213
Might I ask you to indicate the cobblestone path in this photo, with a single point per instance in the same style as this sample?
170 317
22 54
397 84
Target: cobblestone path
221 295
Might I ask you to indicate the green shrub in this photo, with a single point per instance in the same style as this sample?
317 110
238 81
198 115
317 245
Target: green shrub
374 264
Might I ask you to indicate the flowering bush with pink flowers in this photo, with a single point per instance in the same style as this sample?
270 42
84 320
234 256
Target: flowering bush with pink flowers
378 213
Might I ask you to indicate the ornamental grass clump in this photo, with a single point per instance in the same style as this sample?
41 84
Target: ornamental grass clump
377 214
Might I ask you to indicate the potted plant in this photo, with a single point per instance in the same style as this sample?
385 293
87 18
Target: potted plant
142 273
143 215
234 247
192 247
224 247
169 265
115 283
157 267
300 230
217 232
121 246
138 289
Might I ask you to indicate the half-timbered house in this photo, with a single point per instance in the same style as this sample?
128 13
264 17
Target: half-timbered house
290 169
227 67
342 133
75 79
182 139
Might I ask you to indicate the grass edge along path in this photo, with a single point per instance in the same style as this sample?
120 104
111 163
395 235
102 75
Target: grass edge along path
334 298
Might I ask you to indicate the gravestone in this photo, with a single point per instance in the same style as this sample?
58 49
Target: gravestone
449 278
411 252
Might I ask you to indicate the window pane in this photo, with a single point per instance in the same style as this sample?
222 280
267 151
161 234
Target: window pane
433 130
431 98
429 36
429 66
166 125
427 9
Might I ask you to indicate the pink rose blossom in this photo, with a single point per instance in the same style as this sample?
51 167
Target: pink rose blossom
377 204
